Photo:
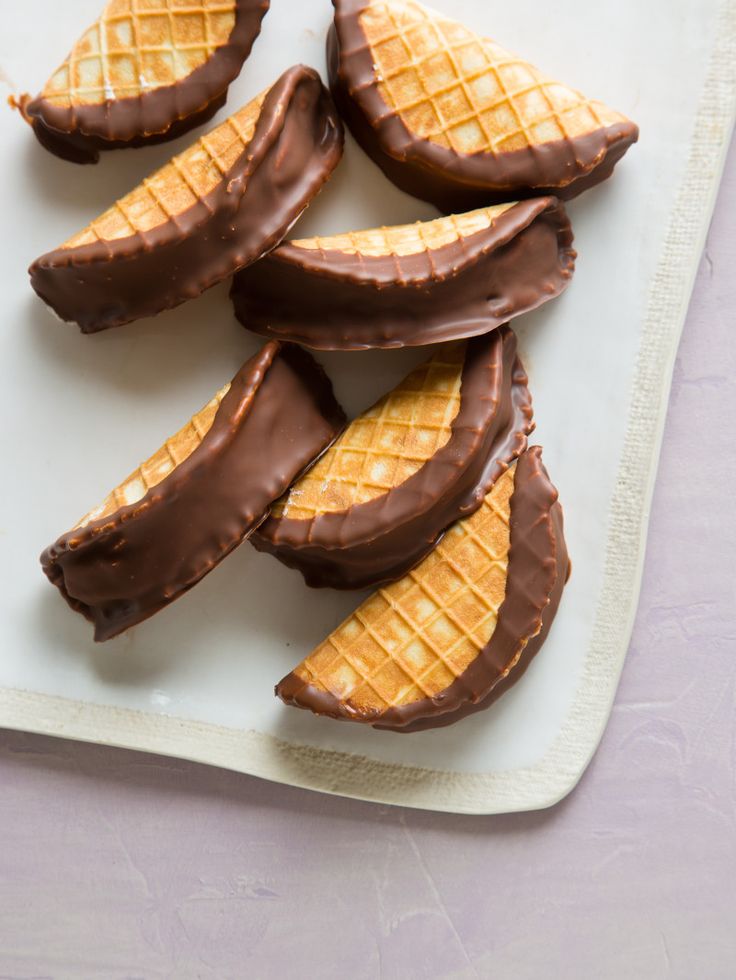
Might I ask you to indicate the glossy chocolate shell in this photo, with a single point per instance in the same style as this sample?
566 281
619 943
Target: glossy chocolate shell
198 220
143 76
392 527
454 119
410 285
153 538
418 655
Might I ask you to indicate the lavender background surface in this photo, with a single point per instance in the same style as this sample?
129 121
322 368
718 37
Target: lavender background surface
120 865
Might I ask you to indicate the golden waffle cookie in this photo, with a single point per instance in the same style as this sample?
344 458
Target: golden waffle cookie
427 282
406 469
422 89
439 639
221 204
145 70
385 445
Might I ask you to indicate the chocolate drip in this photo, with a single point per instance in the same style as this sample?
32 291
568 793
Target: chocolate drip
296 145
538 568
454 181
277 417
79 132
331 300
379 541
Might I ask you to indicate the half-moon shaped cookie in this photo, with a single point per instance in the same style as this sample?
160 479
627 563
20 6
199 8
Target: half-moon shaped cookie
455 119
402 472
219 205
143 73
181 512
413 284
462 627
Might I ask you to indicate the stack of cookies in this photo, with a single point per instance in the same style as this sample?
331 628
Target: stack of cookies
432 497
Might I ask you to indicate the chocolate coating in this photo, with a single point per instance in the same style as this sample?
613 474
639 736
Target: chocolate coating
331 300
454 181
79 132
538 568
379 541
296 145
277 417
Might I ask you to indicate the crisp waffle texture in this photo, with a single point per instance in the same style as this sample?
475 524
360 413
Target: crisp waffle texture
412 639
179 184
467 93
140 45
385 445
402 240
162 464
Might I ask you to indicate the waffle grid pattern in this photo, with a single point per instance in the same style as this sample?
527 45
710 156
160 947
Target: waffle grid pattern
412 639
162 464
467 93
140 45
178 185
402 240
385 445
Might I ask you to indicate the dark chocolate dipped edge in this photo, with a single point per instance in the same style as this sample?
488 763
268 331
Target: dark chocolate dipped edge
538 569
78 133
296 145
450 180
379 541
277 417
330 300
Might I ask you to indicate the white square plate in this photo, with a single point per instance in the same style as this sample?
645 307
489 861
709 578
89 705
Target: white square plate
80 412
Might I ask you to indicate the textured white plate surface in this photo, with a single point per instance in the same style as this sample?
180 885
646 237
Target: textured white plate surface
80 412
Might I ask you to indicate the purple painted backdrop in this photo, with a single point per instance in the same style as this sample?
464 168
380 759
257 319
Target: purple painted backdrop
118 865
